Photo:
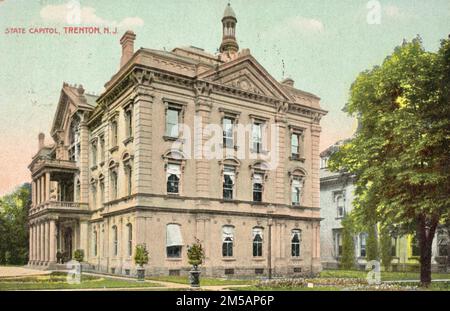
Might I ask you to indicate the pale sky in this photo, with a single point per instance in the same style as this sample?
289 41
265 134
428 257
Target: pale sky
322 45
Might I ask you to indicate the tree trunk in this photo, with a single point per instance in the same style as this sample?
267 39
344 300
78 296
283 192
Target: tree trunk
426 228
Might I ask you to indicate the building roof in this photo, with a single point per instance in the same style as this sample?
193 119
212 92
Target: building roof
229 12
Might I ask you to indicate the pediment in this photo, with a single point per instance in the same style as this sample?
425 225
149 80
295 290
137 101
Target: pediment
248 75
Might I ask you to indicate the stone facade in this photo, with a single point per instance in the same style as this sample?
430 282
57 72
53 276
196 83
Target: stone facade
116 176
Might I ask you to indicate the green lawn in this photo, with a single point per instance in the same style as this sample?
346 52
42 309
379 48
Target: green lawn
59 281
203 281
295 288
385 276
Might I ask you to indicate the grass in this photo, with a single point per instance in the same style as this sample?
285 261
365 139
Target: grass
203 281
385 276
59 281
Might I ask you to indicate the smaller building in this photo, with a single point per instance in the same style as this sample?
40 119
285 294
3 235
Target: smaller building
336 197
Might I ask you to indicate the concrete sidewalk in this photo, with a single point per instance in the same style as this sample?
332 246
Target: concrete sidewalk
15 271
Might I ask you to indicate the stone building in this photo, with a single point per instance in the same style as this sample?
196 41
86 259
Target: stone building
336 197
134 166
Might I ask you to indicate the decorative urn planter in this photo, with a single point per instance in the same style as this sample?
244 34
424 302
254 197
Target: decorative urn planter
194 277
140 273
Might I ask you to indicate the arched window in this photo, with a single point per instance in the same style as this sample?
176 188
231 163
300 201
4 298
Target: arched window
257 242
130 240
115 241
94 243
174 241
227 241
295 243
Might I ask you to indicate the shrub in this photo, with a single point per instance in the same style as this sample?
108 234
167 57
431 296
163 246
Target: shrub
348 244
141 255
196 254
78 255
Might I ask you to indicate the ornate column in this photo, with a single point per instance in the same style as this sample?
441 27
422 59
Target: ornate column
47 186
38 191
33 193
84 236
46 241
52 241
30 244
39 243
33 254
143 116
278 149
203 108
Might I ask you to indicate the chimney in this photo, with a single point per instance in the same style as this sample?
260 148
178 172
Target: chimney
127 42
41 138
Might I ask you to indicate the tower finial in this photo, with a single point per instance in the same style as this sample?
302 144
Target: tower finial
229 20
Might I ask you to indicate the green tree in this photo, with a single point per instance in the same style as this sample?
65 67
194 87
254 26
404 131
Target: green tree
401 151
14 226
348 243
386 247
372 243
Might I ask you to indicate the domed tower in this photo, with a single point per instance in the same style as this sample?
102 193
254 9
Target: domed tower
229 43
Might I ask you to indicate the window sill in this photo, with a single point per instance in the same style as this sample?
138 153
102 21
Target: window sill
339 218
296 158
128 140
228 259
112 149
264 152
258 258
228 201
296 258
171 138
174 259
173 195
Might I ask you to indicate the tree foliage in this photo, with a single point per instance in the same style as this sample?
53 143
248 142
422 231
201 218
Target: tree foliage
348 243
386 248
141 255
13 226
400 153
196 254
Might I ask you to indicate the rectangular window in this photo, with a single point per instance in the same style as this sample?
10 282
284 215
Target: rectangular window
102 192
129 175
295 145
94 194
115 241
337 238
227 125
415 252
172 122
94 154
362 244
394 247
257 187
257 137
174 241
113 185
229 175
173 175
296 191
130 239
129 122
102 148
114 131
